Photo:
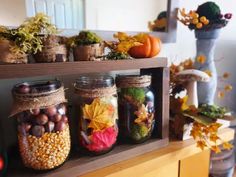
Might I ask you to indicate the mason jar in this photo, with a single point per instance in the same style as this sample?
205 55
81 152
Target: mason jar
136 107
98 113
43 129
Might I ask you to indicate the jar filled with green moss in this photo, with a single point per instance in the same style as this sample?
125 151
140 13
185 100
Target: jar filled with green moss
87 46
136 108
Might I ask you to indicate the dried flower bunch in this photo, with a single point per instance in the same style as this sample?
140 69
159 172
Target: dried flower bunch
208 16
27 38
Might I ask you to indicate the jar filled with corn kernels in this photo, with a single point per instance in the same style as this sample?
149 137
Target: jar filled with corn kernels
136 107
98 113
43 129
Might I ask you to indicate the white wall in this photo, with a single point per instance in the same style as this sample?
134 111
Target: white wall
12 12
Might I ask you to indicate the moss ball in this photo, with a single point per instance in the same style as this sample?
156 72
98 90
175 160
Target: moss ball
210 10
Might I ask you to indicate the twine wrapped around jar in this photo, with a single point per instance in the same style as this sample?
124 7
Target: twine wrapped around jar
23 102
96 93
54 50
133 81
88 52
8 56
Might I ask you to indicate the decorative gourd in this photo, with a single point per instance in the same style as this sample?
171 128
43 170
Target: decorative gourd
150 48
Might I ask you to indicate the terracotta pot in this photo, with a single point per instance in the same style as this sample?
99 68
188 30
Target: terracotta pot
88 52
53 50
7 56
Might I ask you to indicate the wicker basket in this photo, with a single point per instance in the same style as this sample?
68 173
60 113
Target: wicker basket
7 56
54 50
88 52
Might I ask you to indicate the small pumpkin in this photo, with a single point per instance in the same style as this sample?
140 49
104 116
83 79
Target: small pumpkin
150 48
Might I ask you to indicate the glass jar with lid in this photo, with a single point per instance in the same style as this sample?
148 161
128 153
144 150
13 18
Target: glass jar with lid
136 107
43 129
98 113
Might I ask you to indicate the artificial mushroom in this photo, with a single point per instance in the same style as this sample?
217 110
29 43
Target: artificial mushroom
191 77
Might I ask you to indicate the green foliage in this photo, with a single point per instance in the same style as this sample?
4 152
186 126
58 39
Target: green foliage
27 38
136 94
85 38
210 10
117 56
212 111
139 132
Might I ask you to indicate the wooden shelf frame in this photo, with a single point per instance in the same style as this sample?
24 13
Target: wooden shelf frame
14 71
78 165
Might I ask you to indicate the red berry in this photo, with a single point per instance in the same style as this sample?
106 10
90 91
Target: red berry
1 163
228 16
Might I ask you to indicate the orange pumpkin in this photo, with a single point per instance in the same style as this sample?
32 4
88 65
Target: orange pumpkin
150 48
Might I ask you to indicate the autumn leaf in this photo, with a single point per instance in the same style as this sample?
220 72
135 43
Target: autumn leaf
121 36
228 88
183 103
99 114
216 149
142 114
226 75
201 144
227 145
214 138
141 37
201 59
221 94
195 134
214 127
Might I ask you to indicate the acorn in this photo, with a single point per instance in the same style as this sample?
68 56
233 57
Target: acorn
50 126
38 131
60 126
56 118
24 89
64 119
42 119
51 111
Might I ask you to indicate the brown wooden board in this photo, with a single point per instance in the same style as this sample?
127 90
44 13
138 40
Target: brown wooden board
13 71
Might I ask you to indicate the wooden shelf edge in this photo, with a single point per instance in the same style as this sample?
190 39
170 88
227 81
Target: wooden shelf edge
13 71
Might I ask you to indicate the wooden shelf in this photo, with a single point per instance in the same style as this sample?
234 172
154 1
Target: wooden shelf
13 71
78 165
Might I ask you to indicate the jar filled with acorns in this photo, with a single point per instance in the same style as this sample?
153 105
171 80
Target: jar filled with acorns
43 129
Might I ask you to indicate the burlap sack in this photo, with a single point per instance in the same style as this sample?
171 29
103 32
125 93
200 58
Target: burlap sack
24 102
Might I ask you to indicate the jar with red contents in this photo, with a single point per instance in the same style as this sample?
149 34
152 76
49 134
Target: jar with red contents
43 129
98 113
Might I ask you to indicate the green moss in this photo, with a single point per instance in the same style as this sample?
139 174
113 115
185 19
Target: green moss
139 132
136 94
212 111
210 10
86 38
117 56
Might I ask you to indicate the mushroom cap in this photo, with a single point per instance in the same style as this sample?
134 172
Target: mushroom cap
192 75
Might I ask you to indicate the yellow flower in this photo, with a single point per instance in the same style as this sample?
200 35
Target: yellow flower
228 88
208 72
201 59
226 75
201 144
214 137
203 19
195 21
216 149
206 22
227 145
221 94
99 114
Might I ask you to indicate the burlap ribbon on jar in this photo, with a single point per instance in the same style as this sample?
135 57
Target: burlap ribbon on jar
133 81
24 102
96 93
